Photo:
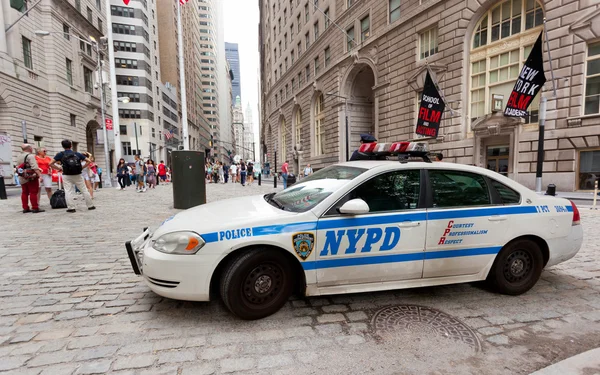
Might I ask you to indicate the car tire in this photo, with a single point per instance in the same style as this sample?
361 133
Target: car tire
517 267
257 283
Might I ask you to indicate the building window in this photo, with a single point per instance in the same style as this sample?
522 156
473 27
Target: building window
298 22
365 28
319 126
316 66
87 79
394 10
307 71
592 80
293 84
99 24
283 145
349 3
494 76
350 38
326 15
316 29
73 119
589 168
66 32
327 56
506 19
127 148
89 14
285 41
98 4
306 15
78 5
27 59
428 43
299 49
123 129
298 127
69 65
299 79
153 133
307 39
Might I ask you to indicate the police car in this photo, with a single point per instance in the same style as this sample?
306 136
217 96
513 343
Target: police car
360 226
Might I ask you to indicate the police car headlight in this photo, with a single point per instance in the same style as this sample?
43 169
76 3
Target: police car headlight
179 243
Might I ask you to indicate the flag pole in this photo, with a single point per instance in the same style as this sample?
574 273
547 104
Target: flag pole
113 84
184 122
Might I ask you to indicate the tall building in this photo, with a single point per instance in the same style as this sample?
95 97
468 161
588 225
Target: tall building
377 62
238 127
171 124
224 137
248 134
233 56
137 67
193 39
48 84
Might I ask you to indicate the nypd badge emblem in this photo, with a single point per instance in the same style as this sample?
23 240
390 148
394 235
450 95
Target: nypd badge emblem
303 244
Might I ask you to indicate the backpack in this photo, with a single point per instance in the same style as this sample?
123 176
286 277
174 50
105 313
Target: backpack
71 164
24 170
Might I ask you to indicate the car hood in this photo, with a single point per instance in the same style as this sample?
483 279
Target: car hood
225 214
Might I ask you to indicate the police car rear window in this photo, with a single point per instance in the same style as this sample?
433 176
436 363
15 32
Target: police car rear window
337 172
508 195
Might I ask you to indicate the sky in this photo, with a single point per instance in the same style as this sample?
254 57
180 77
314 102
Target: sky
241 26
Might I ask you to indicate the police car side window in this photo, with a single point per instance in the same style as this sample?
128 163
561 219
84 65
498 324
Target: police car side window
393 191
508 195
458 189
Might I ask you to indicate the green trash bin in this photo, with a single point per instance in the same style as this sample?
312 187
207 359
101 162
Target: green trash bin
188 177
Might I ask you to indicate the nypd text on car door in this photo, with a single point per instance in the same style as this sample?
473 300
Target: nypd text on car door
384 242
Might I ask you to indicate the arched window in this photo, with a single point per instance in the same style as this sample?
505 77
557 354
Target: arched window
298 127
501 43
319 125
282 132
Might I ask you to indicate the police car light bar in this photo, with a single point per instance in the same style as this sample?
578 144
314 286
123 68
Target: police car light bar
403 150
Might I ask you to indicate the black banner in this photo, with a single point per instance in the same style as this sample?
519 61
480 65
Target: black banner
529 83
431 110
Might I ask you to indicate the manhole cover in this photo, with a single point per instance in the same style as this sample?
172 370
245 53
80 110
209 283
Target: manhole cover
419 319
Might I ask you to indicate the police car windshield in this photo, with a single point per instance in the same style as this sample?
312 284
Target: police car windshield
313 189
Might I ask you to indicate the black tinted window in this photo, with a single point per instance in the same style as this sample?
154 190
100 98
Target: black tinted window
392 191
508 195
458 189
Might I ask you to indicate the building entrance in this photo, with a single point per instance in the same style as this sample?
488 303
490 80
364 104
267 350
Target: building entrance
497 159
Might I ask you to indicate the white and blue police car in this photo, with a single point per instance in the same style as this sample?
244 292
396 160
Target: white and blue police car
360 226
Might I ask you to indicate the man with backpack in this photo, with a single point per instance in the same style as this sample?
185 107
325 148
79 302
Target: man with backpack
29 175
70 164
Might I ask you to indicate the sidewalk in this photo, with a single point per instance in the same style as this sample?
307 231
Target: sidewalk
580 364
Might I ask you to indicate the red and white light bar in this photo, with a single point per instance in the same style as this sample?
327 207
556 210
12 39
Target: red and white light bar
416 148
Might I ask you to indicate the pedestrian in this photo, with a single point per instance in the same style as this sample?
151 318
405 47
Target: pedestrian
226 172
151 174
162 171
139 174
438 157
364 138
43 162
95 179
88 173
131 179
221 173
29 175
215 174
16 176
308 170
250 173
243 171
233 171
122 173
70 165
284 173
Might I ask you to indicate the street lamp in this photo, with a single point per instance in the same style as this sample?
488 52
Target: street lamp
346 119
124 99
92 41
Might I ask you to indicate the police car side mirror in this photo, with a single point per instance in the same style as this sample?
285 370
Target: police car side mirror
354 207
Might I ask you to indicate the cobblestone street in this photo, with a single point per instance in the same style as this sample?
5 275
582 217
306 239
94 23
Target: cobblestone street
70 304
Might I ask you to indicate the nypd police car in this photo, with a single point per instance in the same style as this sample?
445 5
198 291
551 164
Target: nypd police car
360 226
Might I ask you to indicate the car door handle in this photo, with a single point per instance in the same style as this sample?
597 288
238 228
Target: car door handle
498 218
409 224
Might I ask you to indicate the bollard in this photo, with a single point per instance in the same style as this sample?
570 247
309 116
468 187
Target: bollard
595 195
259 178
2 189
551 190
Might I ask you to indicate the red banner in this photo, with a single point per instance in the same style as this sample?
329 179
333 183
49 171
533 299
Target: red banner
109 124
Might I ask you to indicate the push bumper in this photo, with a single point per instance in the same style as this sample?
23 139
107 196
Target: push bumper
135 250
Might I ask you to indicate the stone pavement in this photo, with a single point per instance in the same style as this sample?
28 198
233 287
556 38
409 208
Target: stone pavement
70 304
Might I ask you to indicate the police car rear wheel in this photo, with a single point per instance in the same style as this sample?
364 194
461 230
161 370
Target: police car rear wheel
257 283
517 268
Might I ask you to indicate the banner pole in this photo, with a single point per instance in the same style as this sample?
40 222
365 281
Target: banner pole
549 57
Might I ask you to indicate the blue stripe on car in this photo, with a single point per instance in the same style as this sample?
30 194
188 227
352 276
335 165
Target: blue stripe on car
397 258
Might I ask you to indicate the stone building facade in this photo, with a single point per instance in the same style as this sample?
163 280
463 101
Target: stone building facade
323 59
48 83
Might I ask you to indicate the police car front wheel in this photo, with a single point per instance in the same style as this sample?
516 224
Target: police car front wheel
257 283
517 268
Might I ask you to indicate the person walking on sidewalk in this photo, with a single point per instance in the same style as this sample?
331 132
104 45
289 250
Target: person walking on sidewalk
139 174
162 171
29 175
250 173
243 173
151 174
308 170
233 169
221 173
284 173
226 173
122 173
70 164
43 162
